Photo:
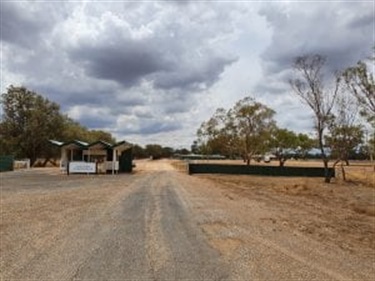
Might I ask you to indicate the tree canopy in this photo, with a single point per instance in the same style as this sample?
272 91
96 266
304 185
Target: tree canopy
240 131
284 144
30 120
360 81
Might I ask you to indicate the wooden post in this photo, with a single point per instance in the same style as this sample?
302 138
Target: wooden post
64 159
113 161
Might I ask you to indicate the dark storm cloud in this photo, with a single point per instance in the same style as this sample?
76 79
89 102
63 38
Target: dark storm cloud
25 24
125 63
342 33
129 61
92 95
18 27
157 47
364 19
96 122
178 105
69 97
193 78
149 67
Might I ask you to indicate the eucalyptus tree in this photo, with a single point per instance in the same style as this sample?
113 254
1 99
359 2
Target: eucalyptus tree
345 133
28 121
217 135
360 81
305 144
254 123
284 144
242 130
318 93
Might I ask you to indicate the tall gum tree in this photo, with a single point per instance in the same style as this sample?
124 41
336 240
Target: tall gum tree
319 94
345 135
359 79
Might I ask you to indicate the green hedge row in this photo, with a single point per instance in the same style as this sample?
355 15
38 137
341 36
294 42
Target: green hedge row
259 170
6 163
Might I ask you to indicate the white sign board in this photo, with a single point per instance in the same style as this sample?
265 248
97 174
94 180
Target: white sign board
82 167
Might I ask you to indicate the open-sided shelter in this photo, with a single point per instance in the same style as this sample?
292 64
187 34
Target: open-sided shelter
108 158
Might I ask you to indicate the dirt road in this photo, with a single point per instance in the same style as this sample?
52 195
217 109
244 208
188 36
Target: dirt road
157 224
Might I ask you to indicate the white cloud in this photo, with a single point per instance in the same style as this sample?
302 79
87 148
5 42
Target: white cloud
153 71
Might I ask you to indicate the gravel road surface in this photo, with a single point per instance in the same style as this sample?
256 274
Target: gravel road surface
157 224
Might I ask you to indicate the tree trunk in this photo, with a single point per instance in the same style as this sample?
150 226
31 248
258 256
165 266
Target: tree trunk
335 163
342 167
32 161
343 171
327 175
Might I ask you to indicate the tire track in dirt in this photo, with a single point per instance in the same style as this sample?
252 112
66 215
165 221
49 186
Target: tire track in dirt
176 249
150 236
121 254
158 254
191 256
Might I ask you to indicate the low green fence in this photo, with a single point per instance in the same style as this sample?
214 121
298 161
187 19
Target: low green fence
259 170
6 163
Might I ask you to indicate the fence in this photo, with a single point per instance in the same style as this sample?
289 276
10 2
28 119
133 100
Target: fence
259 170
6 163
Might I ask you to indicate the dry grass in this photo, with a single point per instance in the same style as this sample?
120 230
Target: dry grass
340 211
179 165
360 174
367 210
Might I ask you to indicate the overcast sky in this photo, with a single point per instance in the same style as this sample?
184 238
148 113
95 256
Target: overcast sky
152 71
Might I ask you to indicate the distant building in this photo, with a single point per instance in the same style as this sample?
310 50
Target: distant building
199 156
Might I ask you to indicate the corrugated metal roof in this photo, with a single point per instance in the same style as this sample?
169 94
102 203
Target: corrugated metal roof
82 144
55 142
103 143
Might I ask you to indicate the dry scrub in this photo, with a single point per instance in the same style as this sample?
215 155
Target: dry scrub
342 213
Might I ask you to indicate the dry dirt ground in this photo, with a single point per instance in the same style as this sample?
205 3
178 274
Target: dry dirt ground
162 224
